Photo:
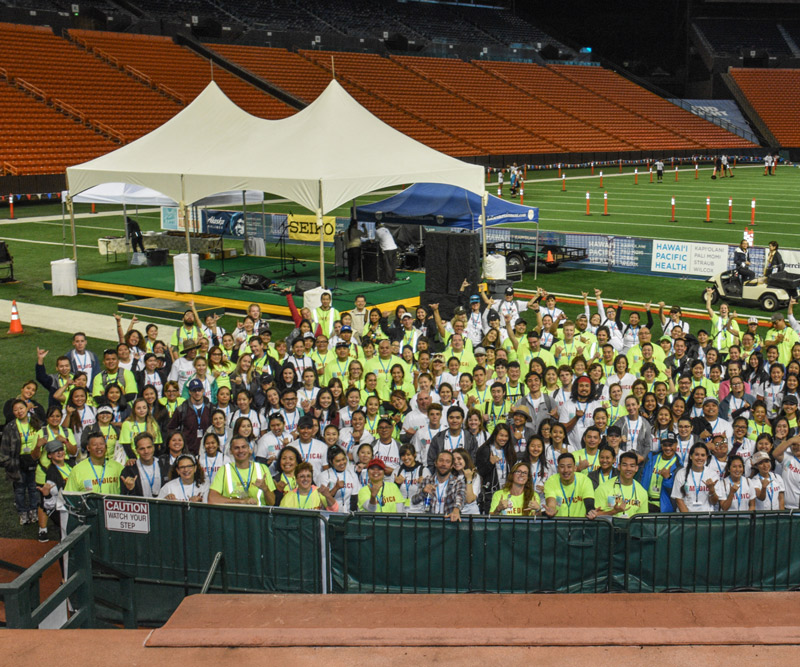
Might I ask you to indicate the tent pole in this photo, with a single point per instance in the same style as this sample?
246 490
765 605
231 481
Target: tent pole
125 227
71 209
321 239
183 213
63 230
483 223
244 215
536 256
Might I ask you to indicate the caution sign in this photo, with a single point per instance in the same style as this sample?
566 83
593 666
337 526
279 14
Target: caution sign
305 228
127 516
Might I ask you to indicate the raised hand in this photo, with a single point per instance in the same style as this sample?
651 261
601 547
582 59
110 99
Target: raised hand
130 482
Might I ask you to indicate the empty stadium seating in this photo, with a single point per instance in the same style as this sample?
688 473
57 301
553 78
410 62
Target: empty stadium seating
775 96
181 70
36 139
731 36
69 74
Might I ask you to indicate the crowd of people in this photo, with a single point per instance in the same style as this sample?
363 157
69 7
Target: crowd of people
506 408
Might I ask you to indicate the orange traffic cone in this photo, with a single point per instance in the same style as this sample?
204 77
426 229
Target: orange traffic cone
16 323
549 259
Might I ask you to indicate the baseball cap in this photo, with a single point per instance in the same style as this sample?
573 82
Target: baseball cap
509 290
341 343
53 446
758 457
479 350
308 334
614 430
752 320
474 299
376 463
777 317
669 441
711 399
385 420
105 408
405 315
266 378
459 310
346 328
305 421
195 385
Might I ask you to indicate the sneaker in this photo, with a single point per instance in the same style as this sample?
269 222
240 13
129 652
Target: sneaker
33 516
43 534
23 518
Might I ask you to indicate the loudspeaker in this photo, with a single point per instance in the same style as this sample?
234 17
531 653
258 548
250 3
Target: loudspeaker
447 302
207 277
436 261
253 281
302 286
369 264
463 261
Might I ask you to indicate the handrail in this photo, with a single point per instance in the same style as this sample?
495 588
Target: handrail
9 168
137 74
104 55
5 75
32 89
23 609
108 130
68 109
169 92
218 562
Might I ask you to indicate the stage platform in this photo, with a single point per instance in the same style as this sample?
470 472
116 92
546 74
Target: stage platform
619 630
156 282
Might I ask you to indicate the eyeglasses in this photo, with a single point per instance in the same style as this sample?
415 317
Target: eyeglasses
186 467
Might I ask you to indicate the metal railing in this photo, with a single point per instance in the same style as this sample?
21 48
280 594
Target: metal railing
21 596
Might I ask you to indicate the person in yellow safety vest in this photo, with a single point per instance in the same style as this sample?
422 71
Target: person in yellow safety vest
243 481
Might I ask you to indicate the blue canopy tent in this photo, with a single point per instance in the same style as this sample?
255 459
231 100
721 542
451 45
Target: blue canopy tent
439 205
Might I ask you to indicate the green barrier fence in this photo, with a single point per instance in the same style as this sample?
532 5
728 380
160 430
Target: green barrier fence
712 552
264 549
379 553
293 551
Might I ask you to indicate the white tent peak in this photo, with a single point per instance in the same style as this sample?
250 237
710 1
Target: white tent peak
321 157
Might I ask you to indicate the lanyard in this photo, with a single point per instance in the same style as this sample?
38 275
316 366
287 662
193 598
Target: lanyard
585 408
770 491
27 433
305 502
303 455
290 425
290 481
102 475
344 480
696 486
440 496
564 493
502 461
250 467
209 468
603 477
634 432
371 427
450 442
738 494
151 479
199 414
191 491
69 470
593 464
625 501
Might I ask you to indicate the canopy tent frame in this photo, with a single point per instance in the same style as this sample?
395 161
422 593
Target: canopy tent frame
212 145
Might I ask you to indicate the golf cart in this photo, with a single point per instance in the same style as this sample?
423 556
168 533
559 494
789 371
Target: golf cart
772 293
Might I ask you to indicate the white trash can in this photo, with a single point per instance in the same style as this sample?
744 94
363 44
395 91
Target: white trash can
494 267
180 268
64 273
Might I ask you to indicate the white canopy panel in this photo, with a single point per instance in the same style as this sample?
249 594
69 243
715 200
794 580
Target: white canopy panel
136 195
321 157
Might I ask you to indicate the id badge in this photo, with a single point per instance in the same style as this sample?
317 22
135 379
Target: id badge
87 484
697 506
199 434
612 500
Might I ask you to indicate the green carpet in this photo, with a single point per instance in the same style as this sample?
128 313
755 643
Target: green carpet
408 285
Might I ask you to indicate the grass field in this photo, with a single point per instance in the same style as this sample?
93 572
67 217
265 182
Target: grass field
636 210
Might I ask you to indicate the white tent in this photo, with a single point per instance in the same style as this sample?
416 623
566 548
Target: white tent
321 157
136 195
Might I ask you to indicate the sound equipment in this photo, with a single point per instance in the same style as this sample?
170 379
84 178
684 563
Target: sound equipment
369 262
207 277
449 259
302 286
447 302
253 282
436 262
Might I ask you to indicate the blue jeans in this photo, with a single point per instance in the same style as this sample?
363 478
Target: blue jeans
26 495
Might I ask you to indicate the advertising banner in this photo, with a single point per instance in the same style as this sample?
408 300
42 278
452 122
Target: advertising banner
680 257
304 227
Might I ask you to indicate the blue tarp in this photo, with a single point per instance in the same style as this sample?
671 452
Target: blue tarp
432 204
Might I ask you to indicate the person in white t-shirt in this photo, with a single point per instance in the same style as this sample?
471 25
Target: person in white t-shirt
788 454
187 481
767 485
736 492
341 478
694 489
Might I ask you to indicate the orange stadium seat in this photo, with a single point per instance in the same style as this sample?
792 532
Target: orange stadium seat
775 96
